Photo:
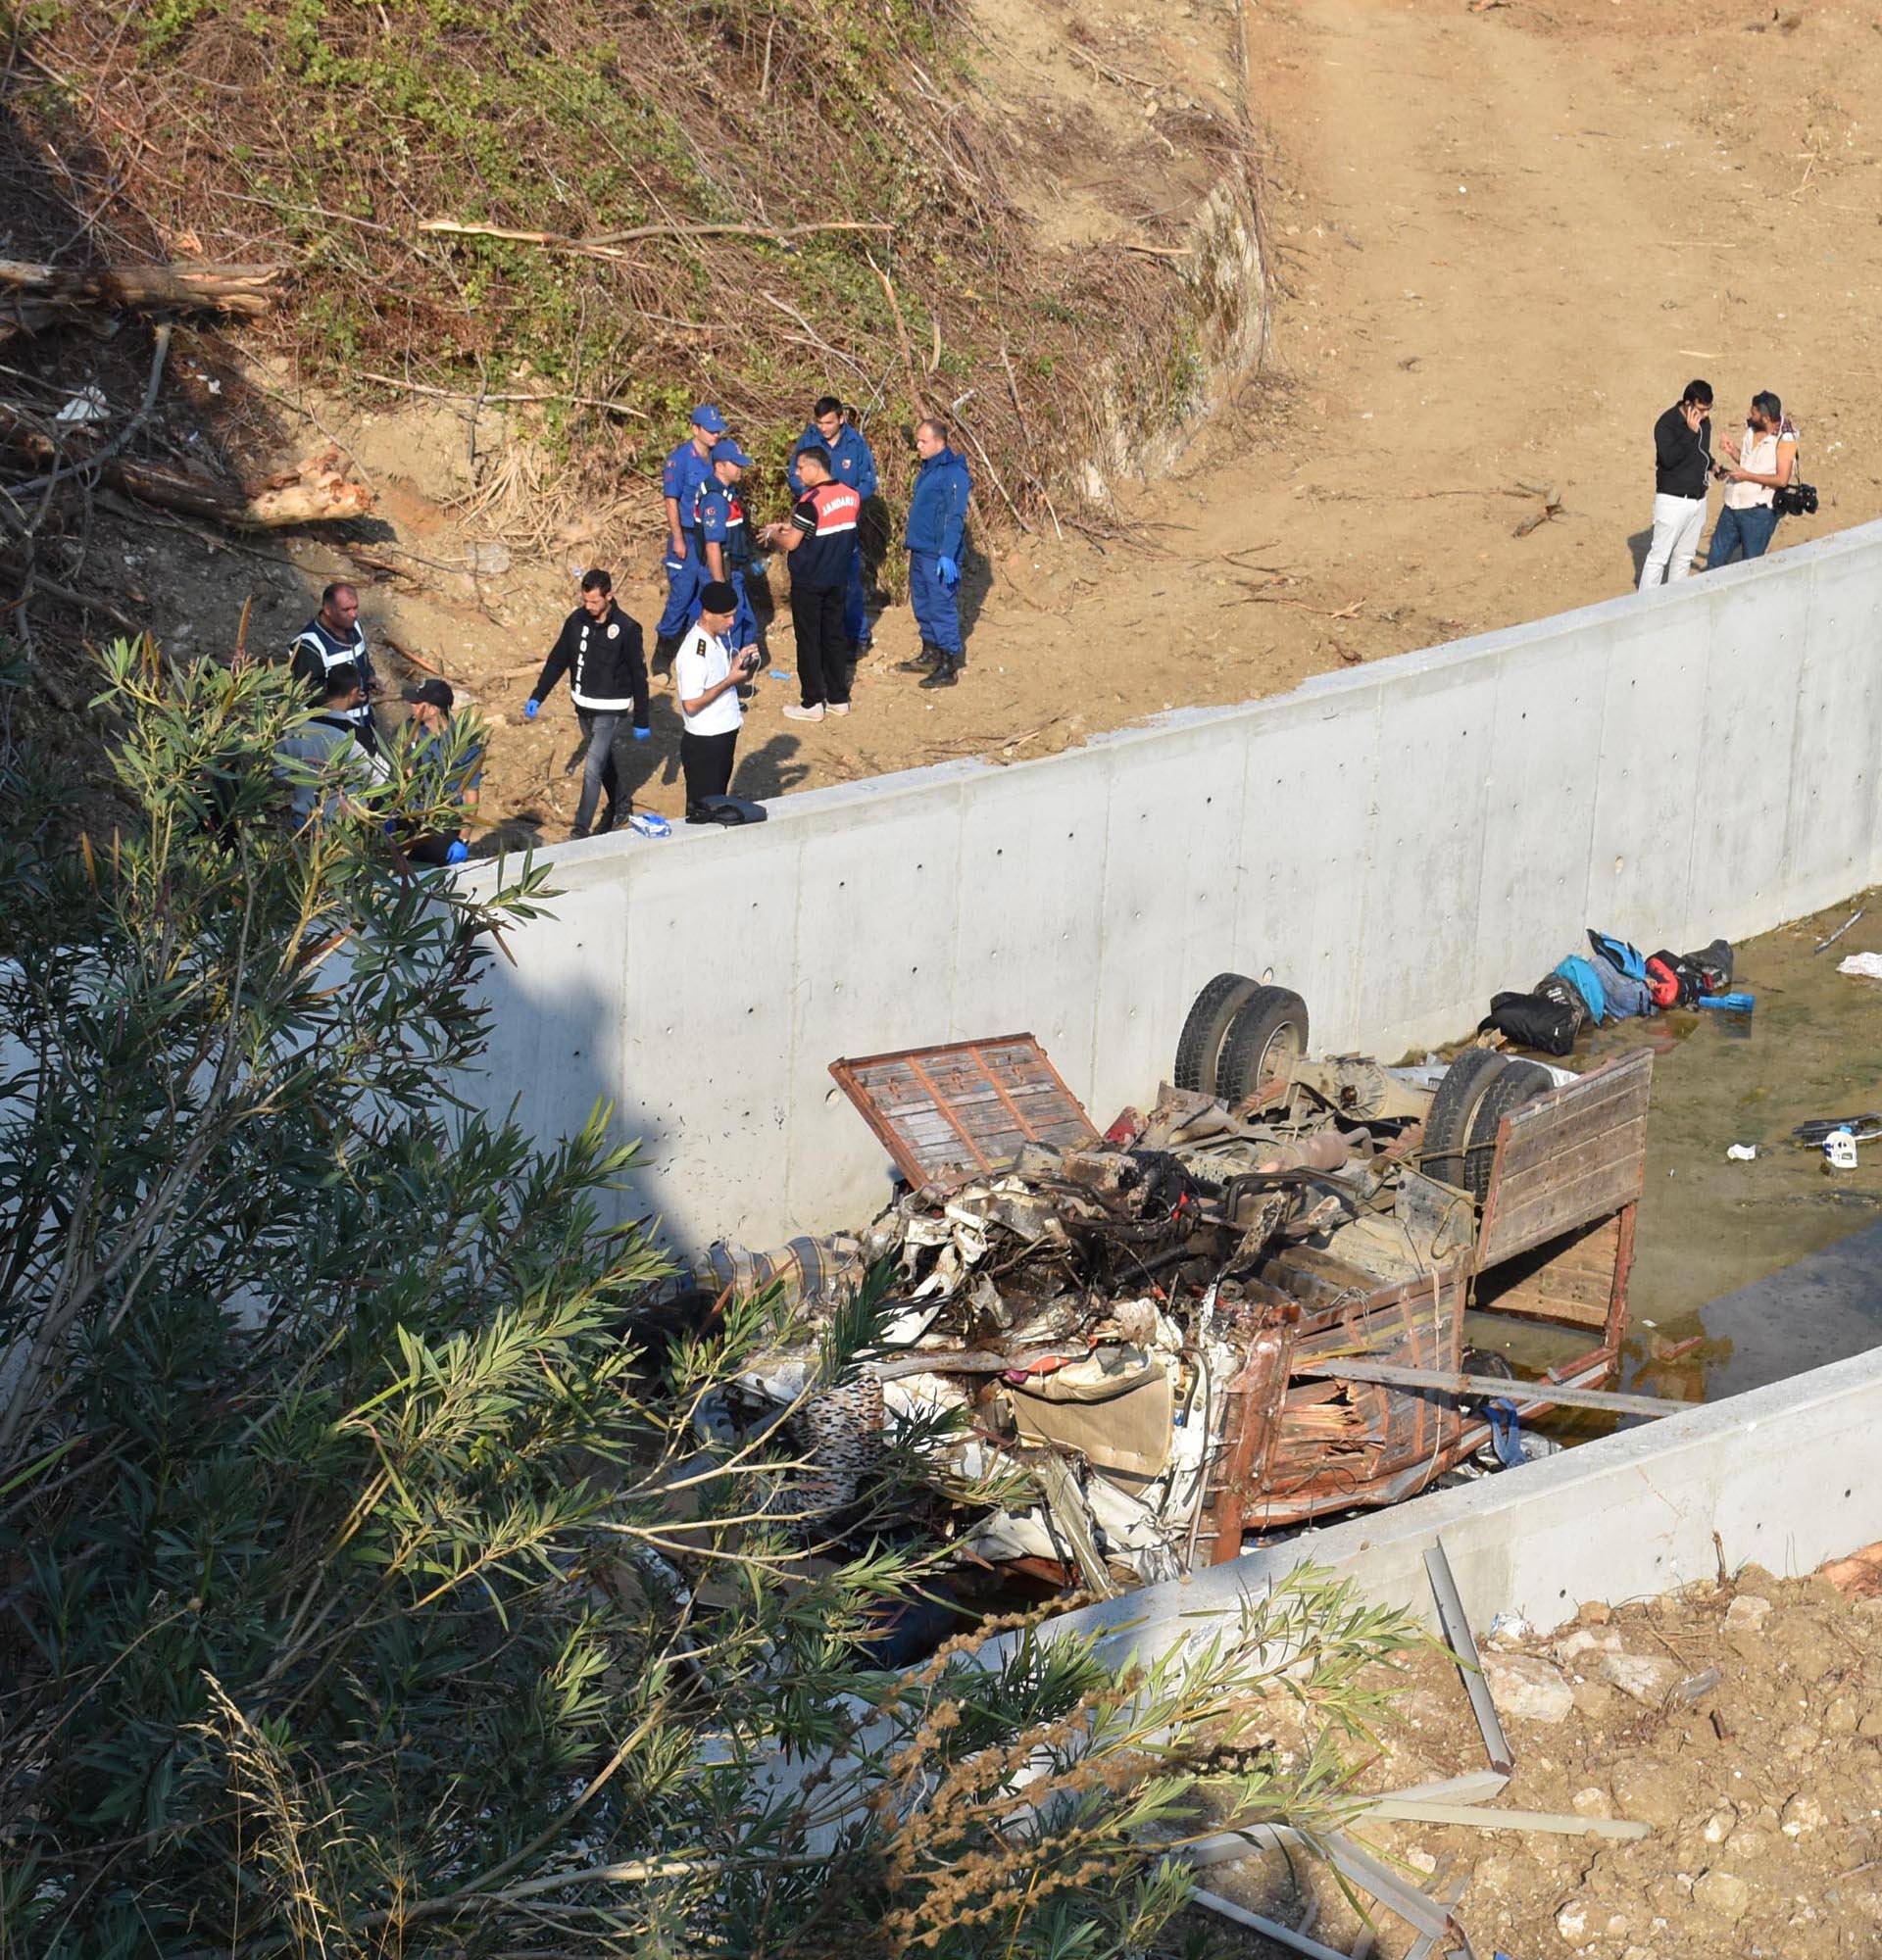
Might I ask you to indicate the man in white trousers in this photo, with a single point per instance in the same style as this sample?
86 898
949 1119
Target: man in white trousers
1682 465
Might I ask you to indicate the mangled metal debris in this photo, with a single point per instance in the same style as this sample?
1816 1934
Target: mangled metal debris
1238 1313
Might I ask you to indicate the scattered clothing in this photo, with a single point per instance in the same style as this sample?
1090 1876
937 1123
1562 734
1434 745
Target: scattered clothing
1586 981
1869 965
1626 997
1535 1021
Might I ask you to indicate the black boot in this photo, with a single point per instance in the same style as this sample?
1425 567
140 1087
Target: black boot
945 672
665 648
923 662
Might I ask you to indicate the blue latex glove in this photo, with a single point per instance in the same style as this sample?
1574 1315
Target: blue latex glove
950 572
643 734
530 709
458 853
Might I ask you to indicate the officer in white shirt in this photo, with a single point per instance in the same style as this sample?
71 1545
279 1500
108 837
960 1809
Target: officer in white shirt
706 679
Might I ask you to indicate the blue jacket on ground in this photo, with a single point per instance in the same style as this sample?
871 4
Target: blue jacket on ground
852 460
938 507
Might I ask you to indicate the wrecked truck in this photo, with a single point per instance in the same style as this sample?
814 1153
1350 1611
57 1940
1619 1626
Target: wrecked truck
1285 1290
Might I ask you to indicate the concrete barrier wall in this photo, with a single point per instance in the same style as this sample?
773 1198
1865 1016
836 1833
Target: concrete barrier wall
1787 1476
1396 841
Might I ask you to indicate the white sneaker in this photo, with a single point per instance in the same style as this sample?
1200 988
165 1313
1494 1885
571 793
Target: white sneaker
836 708
793 712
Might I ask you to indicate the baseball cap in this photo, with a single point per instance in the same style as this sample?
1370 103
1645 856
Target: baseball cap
708 417
717 597
437 692
725 450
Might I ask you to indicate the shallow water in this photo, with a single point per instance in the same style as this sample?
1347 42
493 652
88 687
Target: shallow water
1710 1230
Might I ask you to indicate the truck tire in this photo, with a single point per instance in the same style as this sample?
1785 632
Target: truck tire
1269 1031
1453 1110
1517 1083
1201 1040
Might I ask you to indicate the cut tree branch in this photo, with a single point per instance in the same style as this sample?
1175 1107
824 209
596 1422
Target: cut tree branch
35 296
609 244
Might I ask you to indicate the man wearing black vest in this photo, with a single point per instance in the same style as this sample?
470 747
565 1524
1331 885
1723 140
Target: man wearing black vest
334 638
1682 465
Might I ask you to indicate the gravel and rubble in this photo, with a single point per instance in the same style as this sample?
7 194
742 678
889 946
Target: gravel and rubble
1741 1720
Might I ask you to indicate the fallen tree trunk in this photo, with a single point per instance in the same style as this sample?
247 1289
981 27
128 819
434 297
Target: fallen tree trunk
36 296
317 492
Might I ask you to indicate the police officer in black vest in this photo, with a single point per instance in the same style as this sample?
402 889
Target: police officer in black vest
333 638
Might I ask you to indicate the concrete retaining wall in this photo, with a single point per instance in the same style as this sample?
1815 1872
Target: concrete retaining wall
1396 841
1787 1476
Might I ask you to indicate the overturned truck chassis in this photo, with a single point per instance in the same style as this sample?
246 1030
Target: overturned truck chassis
1146 1334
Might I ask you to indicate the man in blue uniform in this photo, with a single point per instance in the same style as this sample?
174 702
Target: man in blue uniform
725 544
687 473
935 533
852 461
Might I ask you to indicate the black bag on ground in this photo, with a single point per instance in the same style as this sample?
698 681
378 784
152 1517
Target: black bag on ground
1713 964
1533 1020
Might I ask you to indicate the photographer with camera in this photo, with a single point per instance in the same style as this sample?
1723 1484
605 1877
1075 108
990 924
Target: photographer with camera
1682 462
1758 472
706 678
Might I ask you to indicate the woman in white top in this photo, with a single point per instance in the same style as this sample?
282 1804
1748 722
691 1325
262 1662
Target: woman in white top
706 678
1752 479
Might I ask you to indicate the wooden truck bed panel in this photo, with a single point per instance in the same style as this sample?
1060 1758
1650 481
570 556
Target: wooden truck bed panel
1568 1160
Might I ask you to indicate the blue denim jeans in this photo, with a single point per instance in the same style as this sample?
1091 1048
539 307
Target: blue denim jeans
1747 530
598 772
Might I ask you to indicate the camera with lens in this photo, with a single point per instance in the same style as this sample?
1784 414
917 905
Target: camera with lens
1795 500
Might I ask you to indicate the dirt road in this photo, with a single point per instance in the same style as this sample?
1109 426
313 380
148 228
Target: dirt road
1504 238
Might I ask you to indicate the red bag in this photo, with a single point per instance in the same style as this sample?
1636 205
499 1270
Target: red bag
1662 982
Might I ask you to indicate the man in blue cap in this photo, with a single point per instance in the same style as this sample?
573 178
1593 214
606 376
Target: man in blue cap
725 544
934 535
686 474
852 461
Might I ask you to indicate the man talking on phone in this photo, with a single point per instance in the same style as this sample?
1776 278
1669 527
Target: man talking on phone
1682 464
706 678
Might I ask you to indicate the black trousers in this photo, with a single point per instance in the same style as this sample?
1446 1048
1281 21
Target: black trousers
822 648
707 761
430 850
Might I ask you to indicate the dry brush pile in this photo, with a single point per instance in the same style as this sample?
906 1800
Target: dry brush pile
599 210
